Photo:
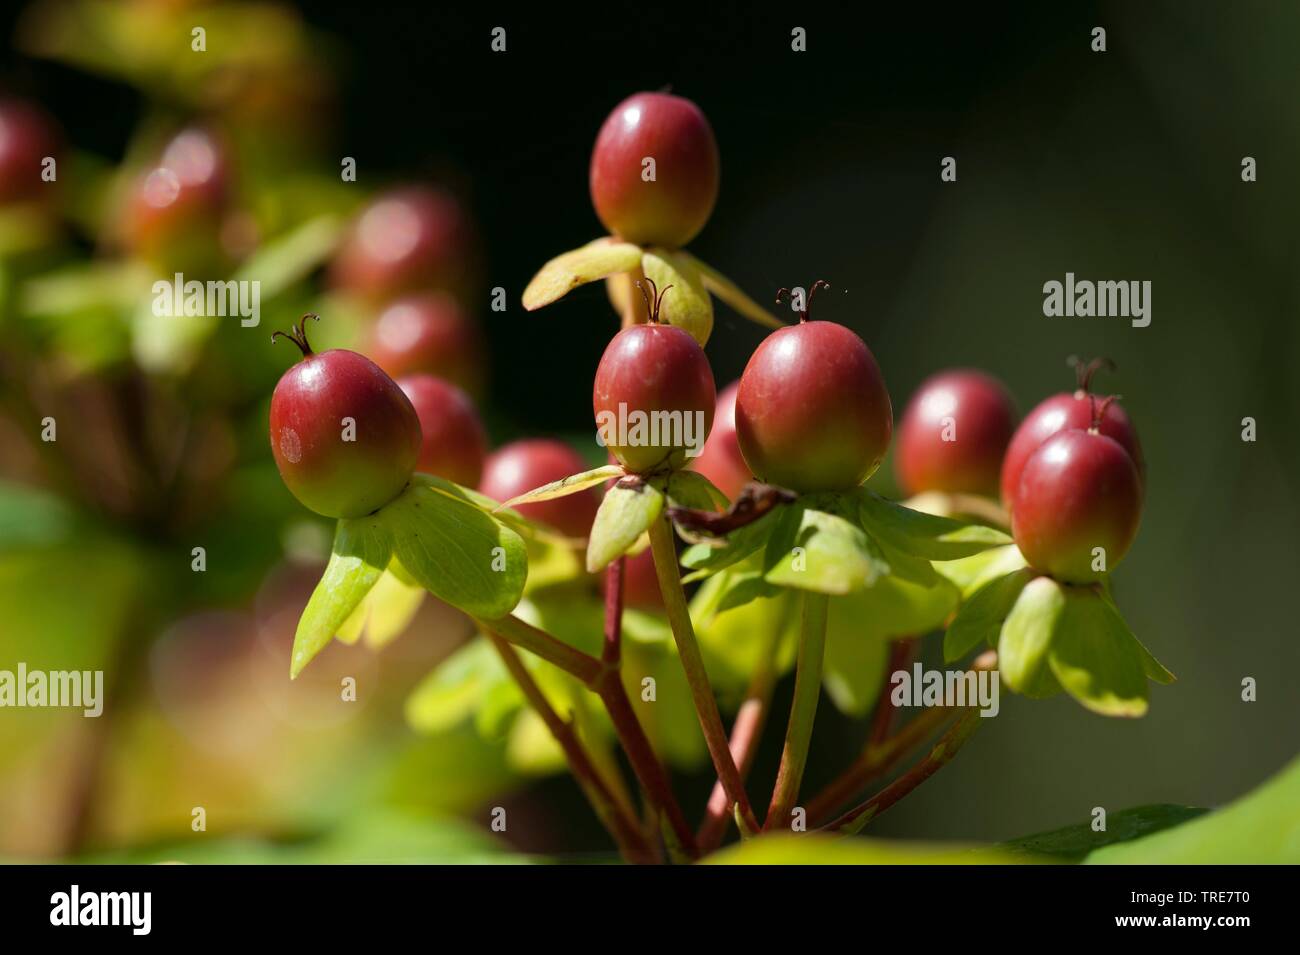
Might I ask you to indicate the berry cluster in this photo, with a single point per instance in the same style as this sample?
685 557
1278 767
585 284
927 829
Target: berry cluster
764 482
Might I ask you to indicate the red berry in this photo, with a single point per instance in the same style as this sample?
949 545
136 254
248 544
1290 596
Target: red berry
653 397
673 207
1078 491
410 238
27 137
721 461
1059 413
454 442
428 333
175 215
953 434
344 436
523 465
812 413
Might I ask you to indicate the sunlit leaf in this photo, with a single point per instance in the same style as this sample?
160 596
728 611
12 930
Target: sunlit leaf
362 549
566 486
693 490
827 554
687 305
973 572
980 618
1095 658
456 551
564 273
707 558
1026 637
925 535
626 512
1260 828
813 849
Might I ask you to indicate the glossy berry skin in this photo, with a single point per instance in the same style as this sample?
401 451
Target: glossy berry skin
672 209
454 442
27 136
953 434
1080 490
174 218
428 333
1059 413
523 465
812 413
330 475
653 368
414 237
721 461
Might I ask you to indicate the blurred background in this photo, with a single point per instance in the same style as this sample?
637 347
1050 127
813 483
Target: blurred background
1117 165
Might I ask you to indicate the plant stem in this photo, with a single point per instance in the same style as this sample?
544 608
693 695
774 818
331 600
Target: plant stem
875 761
606 683
745 734
649 771
612 650
944 750
688 650
803 710
901 654
617 819
880 757
524 635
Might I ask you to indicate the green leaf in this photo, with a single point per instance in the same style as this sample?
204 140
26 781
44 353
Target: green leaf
827 554
855 661
692 489
566 486
1095 658
564 273
742 588
290 258
1027 636
626 512
709 558
361 552
1072 843
730 292
895 607
814 849
455 551
925 535
973 572
1152 667
452 691
980 618
386 611
734 641
1260 828
688 305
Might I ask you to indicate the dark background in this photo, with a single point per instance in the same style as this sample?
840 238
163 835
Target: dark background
1121 165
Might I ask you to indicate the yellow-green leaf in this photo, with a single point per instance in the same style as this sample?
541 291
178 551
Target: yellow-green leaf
687 305
564 273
